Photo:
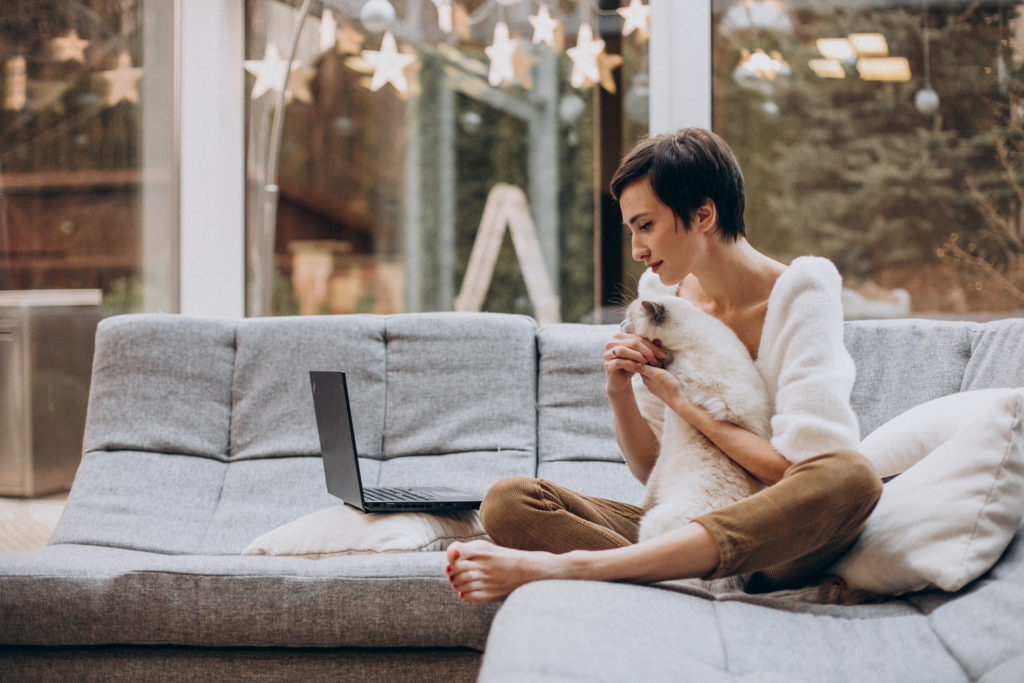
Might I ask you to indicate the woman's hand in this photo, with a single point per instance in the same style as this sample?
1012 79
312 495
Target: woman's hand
664 385
625 355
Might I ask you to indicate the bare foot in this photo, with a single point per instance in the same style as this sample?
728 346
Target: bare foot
482 572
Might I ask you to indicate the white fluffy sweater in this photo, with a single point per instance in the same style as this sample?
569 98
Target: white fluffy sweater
804 363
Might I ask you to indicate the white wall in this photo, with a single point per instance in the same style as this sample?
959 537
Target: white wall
680 62
211 106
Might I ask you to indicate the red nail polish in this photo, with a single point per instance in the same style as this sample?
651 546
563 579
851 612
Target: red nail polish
460 595
455 554
448 569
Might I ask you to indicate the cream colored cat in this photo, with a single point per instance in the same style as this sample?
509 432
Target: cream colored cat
692 476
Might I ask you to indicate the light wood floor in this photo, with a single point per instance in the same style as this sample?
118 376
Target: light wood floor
26 523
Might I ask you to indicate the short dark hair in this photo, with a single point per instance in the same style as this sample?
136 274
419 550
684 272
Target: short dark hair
684 169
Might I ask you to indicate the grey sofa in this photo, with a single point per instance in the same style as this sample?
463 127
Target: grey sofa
200 437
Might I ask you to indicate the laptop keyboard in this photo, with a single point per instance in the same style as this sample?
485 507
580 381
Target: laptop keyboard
386 495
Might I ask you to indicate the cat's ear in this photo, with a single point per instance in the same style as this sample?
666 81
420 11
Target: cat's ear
657 311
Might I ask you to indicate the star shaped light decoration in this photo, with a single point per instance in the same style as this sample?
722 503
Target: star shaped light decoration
585 70
328 31
501 52
123 81
272 74
445 18
607 63
388 64
637 18
350 40
545 28
69 47
16 84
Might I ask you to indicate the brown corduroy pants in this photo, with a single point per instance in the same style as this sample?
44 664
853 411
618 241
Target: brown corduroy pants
785 535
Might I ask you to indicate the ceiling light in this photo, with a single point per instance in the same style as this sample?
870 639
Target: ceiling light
895 69
827 68
869 44
835 48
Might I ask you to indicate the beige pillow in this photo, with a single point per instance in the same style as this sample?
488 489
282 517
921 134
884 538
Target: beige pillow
948 518
907 438
343 530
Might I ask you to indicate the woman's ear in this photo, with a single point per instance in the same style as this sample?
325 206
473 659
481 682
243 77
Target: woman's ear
706 216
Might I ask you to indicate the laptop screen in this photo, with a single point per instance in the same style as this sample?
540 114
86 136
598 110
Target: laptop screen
337 438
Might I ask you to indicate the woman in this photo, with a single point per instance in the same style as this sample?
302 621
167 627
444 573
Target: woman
682 199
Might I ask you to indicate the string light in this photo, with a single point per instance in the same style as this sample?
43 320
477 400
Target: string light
544 27
123 81
501 51
69 47
388 64
637 16
328 31
585 70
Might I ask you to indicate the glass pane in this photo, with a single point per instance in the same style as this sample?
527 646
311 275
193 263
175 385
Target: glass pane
422 166
88 189
886 135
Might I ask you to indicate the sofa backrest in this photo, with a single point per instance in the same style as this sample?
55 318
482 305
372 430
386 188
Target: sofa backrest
206 426
900 364
200 433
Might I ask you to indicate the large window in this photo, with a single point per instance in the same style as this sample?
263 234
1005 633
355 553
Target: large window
88 179
886 135
440 155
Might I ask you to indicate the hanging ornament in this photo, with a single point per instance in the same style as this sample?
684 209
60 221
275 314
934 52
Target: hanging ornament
1002 74
15 84
445 17
585 70
377 15
69 47
123 81
926 100
501 51
637 18
328 31
388 64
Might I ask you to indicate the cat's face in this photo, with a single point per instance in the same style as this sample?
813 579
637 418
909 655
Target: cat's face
659 317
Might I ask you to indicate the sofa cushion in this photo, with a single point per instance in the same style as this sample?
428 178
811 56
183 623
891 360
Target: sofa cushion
161 383
157 502
579 630
903 363
997 355
460 382
947 519
79 595
273 406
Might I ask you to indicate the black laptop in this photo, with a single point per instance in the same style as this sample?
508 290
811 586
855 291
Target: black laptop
341 461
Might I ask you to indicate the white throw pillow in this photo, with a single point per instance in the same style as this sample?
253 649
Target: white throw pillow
343 530
902 441
948 518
